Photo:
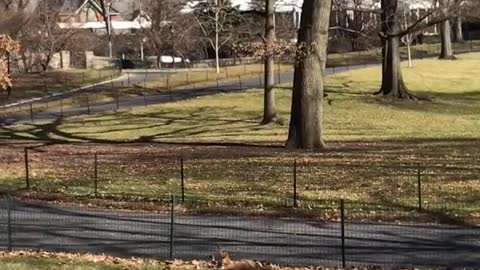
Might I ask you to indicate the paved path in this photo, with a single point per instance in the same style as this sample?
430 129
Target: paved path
285 241
181 93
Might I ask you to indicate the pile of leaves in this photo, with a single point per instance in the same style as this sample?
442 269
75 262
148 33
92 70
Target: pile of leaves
7 46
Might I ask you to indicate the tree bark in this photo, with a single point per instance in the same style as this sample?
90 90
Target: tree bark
392 78
269 108
305 130
445 36
458 34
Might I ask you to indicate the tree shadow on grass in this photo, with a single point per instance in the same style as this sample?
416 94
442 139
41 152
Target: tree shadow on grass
200 123
440 103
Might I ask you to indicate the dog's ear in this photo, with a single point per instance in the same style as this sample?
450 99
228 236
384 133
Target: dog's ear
222 250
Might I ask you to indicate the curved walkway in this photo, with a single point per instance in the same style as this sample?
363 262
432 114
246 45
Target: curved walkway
178 94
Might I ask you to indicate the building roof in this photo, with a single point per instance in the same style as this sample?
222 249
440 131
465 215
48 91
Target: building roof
296 5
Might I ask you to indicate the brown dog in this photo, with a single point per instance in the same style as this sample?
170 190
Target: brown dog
228 264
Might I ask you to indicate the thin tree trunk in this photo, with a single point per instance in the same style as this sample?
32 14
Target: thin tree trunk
217 56
307 102
269 108
409 51
458 34
217 45
445 37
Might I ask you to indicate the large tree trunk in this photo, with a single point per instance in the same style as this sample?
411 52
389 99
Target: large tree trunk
308 86
445 36
458 34
392 79
269 110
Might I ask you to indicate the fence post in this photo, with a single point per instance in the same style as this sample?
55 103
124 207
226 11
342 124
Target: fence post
9 223
27 172
419 186
96 174
31 112
295 203
88 104
61 108
240 81
172 222
218 83
128 78
117 102
342 218
244 69
226 71
182 177
145 103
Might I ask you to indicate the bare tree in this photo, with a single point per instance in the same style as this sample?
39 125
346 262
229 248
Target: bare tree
393 84
171 29
308 86
217 20
354 21
408 38
14 14
42 38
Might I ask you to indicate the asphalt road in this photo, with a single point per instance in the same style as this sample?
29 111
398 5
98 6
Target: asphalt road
283 241
138 78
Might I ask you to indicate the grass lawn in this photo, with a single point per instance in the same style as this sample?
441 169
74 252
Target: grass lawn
377 144
417 51
32 85
63 261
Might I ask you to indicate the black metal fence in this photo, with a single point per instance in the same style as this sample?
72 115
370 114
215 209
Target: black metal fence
331 236
440 186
